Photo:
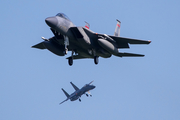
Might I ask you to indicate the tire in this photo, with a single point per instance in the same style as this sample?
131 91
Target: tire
70 61
96 60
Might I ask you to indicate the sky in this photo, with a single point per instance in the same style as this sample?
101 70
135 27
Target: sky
142 88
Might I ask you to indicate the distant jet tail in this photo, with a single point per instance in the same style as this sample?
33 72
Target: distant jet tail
67 95
117 29
74 86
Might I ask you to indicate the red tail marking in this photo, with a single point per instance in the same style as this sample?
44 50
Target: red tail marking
87 27
118 25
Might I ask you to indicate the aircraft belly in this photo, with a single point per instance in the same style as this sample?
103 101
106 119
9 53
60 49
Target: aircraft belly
74 98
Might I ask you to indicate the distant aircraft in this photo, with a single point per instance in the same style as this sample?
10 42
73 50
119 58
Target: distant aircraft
83 42
78 92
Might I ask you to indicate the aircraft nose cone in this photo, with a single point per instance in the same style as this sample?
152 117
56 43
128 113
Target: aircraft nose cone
51 21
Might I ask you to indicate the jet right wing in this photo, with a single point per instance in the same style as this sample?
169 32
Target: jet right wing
39 46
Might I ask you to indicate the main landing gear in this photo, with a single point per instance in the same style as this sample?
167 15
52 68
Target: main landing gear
96 59
70 61
88 95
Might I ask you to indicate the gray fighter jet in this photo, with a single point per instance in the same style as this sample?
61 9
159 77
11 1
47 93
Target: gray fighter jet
78 92
83 42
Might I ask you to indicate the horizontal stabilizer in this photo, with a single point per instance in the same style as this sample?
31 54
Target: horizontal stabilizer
39 46
129 55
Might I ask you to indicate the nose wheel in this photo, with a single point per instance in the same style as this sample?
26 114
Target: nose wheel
79 100
96 59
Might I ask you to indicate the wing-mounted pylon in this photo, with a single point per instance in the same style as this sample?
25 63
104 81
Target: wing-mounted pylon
74 86
117 29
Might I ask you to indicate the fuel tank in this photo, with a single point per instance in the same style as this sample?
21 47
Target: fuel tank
108 46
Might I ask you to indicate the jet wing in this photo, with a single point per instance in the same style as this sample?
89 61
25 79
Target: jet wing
39 46
120 40
128 55
64 101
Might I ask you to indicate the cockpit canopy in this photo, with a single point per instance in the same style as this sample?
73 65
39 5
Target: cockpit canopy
63 16
85 85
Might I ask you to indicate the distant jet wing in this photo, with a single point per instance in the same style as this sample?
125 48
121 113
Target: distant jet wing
64 101
120 40
129 55
39 46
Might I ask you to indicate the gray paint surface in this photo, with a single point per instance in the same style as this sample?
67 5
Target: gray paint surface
83 42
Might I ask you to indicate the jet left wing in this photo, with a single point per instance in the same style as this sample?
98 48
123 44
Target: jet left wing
64 101
128 55
121 41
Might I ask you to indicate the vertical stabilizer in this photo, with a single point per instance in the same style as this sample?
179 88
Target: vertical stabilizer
87 25
117 29
67 95
74 86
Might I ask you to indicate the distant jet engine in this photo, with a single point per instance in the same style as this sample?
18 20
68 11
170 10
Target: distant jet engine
108 46
54 48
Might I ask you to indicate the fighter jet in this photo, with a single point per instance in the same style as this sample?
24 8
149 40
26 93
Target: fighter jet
83 42
78 92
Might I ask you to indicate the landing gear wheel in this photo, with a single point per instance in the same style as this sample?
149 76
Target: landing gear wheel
70 61
96 59
79 100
